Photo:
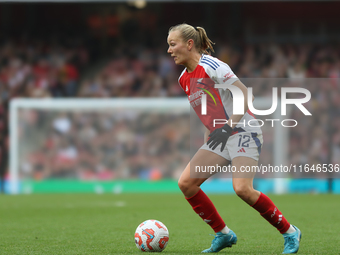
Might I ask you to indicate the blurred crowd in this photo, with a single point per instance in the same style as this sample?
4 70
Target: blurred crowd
103 145
37 68
152 72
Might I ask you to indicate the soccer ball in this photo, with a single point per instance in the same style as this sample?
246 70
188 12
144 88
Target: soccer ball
151 236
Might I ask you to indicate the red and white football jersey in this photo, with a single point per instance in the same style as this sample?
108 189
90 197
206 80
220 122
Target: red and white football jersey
211 71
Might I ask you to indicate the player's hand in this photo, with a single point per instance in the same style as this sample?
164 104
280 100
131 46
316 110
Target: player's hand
219 135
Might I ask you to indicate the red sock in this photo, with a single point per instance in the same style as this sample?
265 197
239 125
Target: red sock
269 211
203 206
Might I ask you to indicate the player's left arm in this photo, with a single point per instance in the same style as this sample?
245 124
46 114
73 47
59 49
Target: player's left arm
206 135
221 135
243 88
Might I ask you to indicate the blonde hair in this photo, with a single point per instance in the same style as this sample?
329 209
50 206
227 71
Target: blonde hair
201 41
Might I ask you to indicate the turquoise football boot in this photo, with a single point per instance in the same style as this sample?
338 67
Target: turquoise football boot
221 241
292 242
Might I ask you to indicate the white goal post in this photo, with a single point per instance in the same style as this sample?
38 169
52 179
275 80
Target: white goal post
281 134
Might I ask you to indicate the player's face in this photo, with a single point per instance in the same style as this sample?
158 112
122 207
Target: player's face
177 48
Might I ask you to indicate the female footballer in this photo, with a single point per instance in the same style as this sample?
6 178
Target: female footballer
235 142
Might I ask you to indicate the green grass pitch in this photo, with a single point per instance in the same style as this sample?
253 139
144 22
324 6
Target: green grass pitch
105 224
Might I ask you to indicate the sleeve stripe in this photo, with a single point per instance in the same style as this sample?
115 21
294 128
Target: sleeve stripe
207 63
214 63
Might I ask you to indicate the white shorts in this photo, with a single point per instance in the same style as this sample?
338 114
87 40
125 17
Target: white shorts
243 144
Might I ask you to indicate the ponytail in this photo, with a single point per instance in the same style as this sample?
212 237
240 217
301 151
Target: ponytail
205 42
201 41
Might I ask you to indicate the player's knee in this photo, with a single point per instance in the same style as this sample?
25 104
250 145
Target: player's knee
186 186
243 191
183 185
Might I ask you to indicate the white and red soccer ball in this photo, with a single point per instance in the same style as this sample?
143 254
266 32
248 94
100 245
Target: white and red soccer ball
151 236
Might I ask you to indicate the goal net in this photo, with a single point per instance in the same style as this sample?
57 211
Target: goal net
100 140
